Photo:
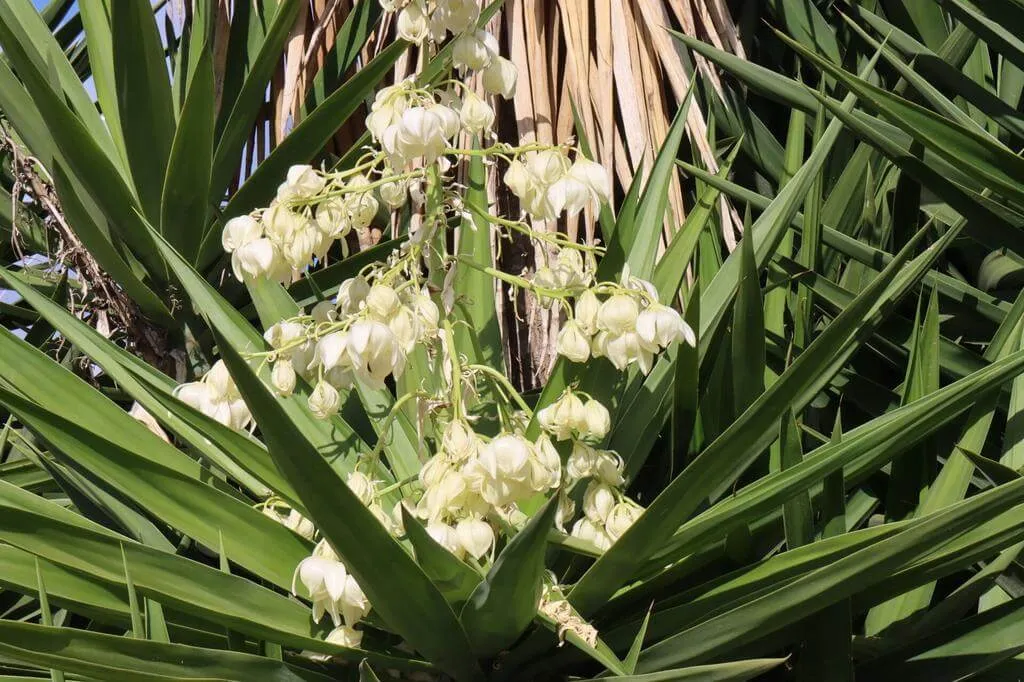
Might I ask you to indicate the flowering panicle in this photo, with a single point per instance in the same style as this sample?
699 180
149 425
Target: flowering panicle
474 478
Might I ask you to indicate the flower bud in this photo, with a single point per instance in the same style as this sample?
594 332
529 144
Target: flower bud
572 343
587 307
622 516
282 376
361 485
499 78
597 418
598 501
564 416
475 536
240 231
324 401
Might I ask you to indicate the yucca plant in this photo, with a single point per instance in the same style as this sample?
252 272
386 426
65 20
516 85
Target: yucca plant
235 451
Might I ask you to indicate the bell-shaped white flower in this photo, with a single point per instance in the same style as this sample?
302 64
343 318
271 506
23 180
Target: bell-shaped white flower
476 115
345 636
475 536
284 333
302 182
570 270
240 231
374 351
256 259
618 314
324 401
501 472
587 530
594 177
661 325
566 510
564 416
472 50
620 518
459 442
572 343
394 194
447 537
545 465
382 302
608 467
425 310
351 294
499 78
598 501
598 420
360 206
412 22
421 132
331 351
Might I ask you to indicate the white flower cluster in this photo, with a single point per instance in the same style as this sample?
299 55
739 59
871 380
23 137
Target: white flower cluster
333 590
547 183
216 396
607 512
366 333
629 326
288 235
411 123
470 479
329 585
472 48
